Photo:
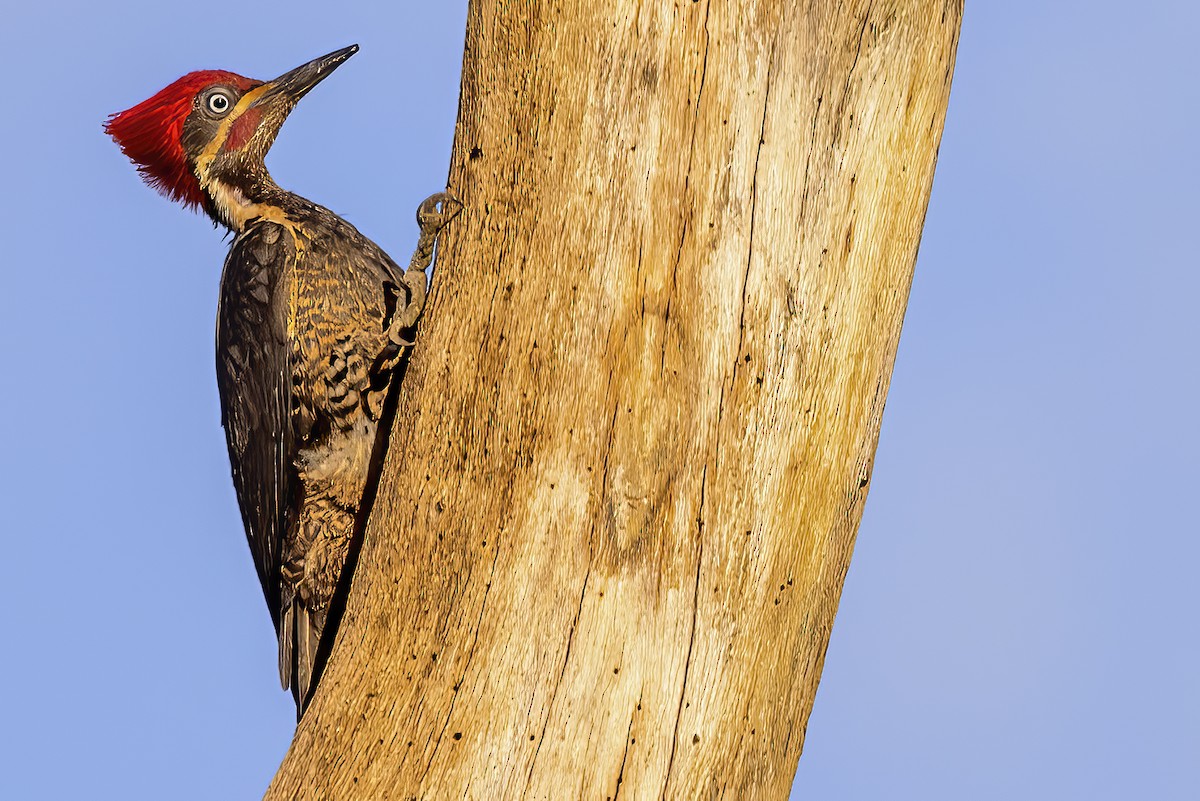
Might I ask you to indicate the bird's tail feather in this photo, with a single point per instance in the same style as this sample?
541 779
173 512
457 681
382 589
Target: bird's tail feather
299 637
305 638
306 654
286 638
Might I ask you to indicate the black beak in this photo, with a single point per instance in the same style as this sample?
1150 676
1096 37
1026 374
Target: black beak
293 85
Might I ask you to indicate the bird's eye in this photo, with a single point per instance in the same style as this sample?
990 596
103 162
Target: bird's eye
218 102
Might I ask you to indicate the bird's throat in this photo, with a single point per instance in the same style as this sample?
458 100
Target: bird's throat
233 209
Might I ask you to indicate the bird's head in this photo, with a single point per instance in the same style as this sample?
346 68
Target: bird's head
208 132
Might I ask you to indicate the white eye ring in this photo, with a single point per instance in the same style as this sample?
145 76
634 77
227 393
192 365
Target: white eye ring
218 103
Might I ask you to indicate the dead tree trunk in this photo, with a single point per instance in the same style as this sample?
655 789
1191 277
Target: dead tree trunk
634 442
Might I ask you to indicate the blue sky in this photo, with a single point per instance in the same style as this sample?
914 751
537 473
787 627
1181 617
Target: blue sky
1019 620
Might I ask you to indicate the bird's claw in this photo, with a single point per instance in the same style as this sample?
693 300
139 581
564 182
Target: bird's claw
434 214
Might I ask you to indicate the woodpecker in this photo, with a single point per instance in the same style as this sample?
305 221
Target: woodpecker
313 320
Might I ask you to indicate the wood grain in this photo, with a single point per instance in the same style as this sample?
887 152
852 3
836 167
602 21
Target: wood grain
637 433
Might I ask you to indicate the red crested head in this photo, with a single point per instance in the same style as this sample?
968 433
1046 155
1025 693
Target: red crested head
202 140
151 133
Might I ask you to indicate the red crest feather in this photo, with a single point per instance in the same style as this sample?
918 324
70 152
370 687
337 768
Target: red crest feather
150 133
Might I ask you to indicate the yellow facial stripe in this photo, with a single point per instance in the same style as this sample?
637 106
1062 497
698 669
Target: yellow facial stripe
205 159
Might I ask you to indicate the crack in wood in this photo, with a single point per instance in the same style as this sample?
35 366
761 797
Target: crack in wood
624 756
578 611
558 682
862 31
762 133
687 179
687 665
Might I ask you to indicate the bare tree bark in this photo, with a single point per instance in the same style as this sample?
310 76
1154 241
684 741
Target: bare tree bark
634 442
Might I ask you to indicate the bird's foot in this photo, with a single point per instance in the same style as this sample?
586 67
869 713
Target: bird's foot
401 329
401 334
434 214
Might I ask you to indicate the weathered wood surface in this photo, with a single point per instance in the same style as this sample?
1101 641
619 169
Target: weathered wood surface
636 436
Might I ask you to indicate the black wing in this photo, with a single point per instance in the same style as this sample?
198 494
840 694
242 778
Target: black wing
254 379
